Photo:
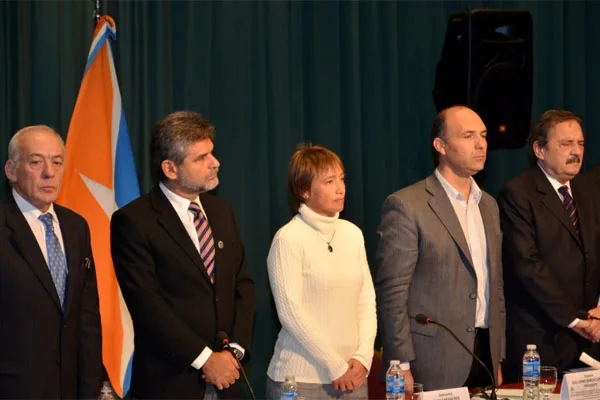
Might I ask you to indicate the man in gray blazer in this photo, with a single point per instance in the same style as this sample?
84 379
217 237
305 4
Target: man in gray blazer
440 255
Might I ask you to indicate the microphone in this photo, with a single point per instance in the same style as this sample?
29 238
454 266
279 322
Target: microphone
585 315
223 341
424 320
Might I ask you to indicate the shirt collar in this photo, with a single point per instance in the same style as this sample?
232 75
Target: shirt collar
555 184
29 210
452 193
180 204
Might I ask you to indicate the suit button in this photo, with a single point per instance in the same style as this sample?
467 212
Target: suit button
470 329
217 299
472 296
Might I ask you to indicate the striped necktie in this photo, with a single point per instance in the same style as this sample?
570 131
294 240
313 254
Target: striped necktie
570 206
205 240
57 262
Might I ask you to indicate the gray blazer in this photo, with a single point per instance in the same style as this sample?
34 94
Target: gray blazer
424 266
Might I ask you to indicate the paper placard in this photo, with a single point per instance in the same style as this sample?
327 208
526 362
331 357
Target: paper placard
581 386
448 394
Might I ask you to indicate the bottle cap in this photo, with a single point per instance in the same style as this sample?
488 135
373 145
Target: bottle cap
531 347
394 362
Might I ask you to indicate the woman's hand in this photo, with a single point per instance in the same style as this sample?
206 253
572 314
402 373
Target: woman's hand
353 378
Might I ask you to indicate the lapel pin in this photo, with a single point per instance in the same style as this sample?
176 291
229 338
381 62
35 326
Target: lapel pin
220 244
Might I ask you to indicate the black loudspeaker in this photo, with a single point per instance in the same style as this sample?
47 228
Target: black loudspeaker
487 64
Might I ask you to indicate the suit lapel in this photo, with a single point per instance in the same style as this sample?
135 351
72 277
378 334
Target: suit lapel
23 240
487 215
585 217
441 206
70 240
170 221
551 201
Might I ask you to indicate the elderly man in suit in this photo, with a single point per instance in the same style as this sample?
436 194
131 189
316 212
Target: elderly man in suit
49 316
551 254
594 173
181 266
439 254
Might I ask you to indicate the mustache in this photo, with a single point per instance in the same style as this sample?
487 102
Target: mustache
574 159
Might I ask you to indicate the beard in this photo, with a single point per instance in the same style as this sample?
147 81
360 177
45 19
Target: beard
192 186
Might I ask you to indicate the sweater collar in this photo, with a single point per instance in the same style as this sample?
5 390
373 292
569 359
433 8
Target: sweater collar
320 223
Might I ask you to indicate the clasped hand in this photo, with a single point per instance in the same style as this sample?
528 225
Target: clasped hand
590 329
221 369
353 378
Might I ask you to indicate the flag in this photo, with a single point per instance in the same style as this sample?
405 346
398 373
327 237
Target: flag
99 178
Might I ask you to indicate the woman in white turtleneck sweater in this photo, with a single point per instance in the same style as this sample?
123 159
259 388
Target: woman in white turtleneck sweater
322 287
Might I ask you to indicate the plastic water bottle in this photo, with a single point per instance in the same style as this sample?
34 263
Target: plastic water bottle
531 373
106 392
289 389
394 382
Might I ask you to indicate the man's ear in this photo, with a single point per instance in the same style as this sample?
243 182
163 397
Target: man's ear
10 169
439 145
538 150
169 169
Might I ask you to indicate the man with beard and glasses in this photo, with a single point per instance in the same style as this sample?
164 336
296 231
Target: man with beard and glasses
181 265
551 249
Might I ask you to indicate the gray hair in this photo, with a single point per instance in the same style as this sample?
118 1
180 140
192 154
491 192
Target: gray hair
172 136
13 145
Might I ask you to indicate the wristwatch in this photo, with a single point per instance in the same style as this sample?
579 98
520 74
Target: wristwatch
236 352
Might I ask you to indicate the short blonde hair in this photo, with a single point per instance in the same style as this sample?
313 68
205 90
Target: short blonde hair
308 162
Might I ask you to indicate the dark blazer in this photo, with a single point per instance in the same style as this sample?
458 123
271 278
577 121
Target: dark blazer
176 311
45 352
594 174
550 271
425 266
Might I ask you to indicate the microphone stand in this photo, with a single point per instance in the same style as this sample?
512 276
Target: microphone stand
424 320
229 349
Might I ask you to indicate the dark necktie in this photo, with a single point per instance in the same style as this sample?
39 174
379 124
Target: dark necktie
570 206
57 263
205 239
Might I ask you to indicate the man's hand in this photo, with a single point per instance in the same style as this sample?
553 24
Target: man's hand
595 312
594 330
221 370
583 328
409 381
499 379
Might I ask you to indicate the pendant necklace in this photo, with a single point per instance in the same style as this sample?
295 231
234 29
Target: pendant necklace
329 247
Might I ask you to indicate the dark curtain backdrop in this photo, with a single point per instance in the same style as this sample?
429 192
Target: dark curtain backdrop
353 76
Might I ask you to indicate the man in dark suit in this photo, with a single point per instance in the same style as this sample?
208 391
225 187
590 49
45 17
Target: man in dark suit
439 254
50 321
551 249
181 266
594 173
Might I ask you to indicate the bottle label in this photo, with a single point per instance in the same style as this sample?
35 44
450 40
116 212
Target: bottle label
288 396
393 385
531 369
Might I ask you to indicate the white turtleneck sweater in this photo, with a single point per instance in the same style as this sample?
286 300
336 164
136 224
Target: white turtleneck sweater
325 300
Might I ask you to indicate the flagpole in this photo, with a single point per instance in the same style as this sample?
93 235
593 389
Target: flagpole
97 14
